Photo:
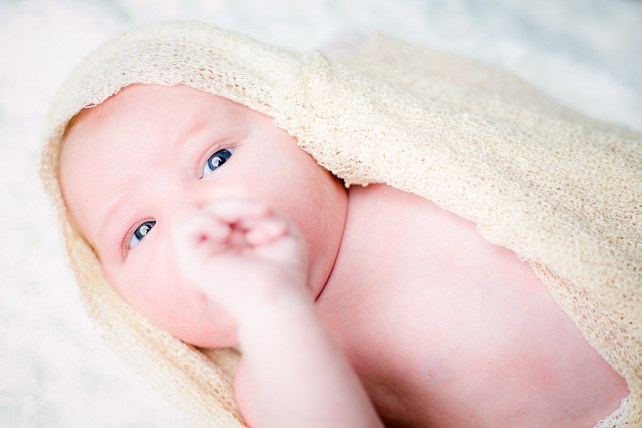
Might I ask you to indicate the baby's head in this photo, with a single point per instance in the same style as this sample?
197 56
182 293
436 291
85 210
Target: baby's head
156 123
132 167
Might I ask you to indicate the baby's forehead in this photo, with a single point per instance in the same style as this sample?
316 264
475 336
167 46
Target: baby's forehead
87 117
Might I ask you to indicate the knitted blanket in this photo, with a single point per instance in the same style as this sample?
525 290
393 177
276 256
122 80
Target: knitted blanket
560 190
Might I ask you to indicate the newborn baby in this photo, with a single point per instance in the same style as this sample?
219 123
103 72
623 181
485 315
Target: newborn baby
375 305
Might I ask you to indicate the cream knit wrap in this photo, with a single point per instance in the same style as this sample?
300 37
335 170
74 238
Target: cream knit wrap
562 191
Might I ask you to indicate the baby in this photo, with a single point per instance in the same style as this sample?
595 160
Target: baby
382 307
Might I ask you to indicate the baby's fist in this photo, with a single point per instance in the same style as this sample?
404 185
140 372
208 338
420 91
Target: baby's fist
241 253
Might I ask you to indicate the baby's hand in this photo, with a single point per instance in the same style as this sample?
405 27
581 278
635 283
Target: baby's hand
241 253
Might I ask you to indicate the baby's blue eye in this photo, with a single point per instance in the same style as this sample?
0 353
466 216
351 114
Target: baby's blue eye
216 160
140 232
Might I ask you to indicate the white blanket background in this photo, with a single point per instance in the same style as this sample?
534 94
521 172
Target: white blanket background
54 370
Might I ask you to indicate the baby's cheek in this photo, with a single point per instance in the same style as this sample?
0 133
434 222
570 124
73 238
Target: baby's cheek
213 328
172 304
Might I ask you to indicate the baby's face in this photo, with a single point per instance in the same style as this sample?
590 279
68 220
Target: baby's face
155 154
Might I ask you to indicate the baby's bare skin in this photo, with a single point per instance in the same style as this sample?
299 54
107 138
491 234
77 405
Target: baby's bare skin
329 289
447 330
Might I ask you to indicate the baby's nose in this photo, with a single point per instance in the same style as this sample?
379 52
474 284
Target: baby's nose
185 207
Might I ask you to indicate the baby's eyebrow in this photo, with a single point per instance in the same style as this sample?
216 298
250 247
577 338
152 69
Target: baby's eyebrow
201 119
113 212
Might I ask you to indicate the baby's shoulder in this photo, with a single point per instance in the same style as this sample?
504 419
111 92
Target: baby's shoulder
393 220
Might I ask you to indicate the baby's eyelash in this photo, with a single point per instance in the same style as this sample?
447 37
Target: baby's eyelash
216 160
136 234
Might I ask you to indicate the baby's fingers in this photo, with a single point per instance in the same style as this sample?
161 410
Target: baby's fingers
266 230
255 221
202 233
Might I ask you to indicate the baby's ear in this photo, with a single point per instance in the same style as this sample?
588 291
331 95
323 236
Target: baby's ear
243 393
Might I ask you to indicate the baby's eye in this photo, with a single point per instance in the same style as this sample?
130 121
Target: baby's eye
216 160
140 232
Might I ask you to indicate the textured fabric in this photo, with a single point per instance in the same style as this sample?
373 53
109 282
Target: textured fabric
562 191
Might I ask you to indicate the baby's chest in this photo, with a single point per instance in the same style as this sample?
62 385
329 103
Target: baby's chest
423 280
435 318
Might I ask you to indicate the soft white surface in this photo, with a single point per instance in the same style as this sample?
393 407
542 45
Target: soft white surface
54 371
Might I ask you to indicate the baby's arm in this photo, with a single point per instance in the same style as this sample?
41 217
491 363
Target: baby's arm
296 375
